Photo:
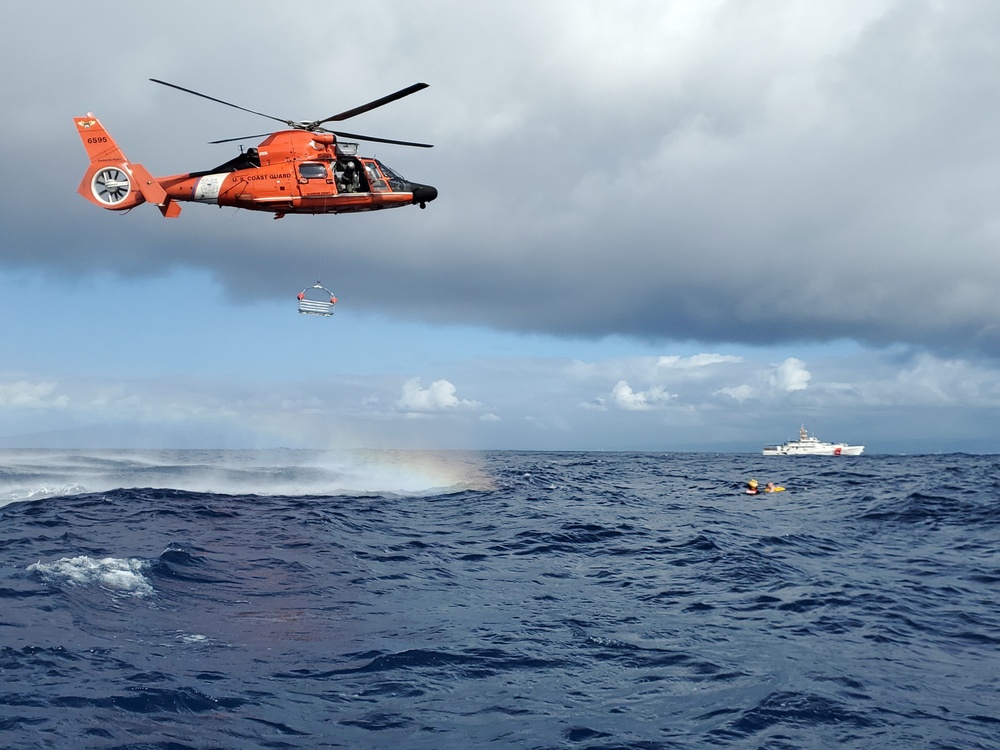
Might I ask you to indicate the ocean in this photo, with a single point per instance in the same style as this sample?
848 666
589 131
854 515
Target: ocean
308 599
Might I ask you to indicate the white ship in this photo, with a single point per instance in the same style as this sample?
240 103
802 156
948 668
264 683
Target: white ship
808 445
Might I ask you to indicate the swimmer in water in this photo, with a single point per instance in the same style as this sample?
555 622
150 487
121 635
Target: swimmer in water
753 488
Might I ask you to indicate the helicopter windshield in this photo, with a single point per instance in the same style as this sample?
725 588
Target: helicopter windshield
396 182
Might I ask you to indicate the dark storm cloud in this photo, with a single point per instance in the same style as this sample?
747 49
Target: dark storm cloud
721 172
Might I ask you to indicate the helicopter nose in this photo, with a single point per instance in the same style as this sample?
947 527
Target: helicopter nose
424 194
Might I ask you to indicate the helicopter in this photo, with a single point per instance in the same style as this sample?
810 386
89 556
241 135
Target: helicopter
303 169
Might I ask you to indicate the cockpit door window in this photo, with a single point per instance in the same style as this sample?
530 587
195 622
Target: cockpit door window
375 178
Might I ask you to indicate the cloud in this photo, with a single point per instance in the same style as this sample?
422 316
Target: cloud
791 375
598 403
696 361
928 381
862 397
655 397
786 377
737 393
438 397
22 394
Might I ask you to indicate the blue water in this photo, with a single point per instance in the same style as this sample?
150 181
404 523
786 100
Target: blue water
296 599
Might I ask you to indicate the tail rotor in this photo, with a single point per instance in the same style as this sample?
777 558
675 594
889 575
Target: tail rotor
110 186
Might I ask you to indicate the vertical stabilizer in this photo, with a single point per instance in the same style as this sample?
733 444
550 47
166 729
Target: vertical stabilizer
101 147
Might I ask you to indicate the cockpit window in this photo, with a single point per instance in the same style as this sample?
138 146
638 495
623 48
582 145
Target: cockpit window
378 184
396 182
312 171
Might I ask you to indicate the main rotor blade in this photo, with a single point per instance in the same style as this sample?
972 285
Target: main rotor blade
290 123
370 138
373 139
373 105
243 138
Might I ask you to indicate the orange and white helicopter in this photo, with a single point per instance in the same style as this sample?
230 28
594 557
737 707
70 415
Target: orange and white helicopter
305 169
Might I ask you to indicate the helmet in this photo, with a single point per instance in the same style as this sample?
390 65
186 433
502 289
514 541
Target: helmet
752 484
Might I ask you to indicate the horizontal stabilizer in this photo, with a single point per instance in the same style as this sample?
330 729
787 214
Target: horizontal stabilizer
148 186
171 209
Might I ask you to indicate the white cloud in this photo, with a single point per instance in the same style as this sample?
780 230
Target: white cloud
628 399
696 361
931 381
439 396
787 377
791 375
22 394
735 402
739 393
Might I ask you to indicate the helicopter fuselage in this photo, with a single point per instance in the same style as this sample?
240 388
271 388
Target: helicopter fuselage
294 171
291 171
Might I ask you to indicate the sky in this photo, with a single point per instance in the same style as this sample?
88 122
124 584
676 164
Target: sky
662 225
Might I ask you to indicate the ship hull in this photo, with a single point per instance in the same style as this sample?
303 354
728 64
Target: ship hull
814 450
810 445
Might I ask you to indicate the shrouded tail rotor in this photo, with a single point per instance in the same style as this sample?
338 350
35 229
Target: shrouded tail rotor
111 186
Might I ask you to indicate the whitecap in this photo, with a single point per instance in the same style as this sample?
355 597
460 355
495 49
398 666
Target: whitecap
192 638
125 575
27 493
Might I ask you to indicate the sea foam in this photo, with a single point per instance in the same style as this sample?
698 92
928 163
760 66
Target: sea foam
125 575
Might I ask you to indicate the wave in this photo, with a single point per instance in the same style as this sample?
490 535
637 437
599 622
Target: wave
127 576
30 475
